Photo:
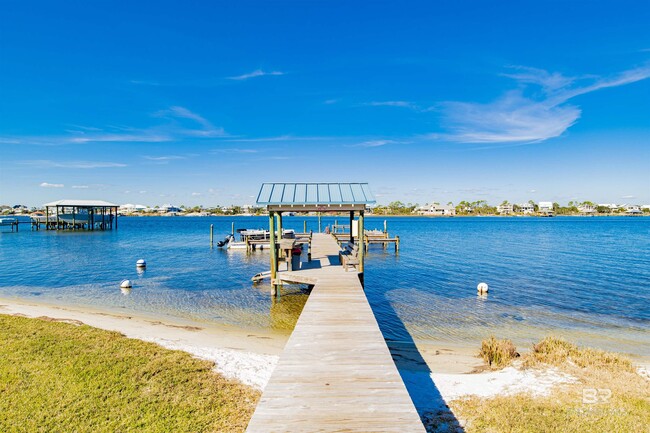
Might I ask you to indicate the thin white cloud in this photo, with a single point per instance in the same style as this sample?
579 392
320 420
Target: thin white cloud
51 185
375 143
255 74
513 118
207 130
145 83
183 112
144 137
80 187
196 194
235 150
163 159
402 104
46 163
176 128
526 116
628 196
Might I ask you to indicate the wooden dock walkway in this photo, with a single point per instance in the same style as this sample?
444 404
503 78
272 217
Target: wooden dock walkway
336 372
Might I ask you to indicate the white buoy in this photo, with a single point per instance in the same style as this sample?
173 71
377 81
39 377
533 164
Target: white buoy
126 284
482 288
124 291
141 263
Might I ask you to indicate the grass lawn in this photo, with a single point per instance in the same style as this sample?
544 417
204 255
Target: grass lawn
61 377
609 396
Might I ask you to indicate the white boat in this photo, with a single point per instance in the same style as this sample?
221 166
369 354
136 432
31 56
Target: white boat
246 235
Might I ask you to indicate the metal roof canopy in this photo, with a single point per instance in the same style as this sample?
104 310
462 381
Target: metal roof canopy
315 196
81 203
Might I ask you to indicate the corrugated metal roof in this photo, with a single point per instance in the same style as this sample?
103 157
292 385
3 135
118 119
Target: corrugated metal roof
82 203
314 194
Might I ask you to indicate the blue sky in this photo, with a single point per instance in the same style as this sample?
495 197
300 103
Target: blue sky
200 102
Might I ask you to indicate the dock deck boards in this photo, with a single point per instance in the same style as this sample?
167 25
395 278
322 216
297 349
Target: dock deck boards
336 372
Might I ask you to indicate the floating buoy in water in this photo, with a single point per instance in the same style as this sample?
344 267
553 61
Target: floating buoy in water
141 263
482 288
126 284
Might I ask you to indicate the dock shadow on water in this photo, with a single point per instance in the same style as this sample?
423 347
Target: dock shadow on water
286 308
416 374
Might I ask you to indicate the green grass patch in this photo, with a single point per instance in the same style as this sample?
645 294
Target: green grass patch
60 377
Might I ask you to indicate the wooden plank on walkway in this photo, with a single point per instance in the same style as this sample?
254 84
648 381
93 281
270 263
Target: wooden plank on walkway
336 372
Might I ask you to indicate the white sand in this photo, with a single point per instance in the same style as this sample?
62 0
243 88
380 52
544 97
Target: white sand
250 357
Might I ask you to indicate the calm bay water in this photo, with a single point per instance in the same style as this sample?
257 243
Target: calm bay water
585 278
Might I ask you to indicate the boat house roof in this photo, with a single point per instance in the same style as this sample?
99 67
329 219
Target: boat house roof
81 203
315 196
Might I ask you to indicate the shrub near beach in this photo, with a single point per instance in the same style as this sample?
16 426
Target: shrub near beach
608 395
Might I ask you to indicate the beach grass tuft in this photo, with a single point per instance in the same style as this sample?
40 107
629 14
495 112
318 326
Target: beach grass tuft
498 353
557 351
607 396
63 377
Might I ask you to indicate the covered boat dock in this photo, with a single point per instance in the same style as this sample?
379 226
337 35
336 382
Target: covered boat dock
78 215
313 197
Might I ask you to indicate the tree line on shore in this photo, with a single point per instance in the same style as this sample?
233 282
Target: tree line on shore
482 207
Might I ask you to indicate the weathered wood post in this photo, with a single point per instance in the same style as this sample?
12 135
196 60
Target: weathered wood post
351 222
309 246
211 235
47 217
320 228
304 226
396 244
361 237
273 253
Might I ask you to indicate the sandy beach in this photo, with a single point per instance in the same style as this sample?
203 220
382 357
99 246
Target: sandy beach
250 356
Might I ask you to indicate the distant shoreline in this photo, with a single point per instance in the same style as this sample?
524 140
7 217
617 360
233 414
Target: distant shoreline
370 215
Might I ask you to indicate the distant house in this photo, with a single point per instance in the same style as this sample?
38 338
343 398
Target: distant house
633 209
587 209
527 208
20 209
505 209
436 209
546 208
129 208
168 208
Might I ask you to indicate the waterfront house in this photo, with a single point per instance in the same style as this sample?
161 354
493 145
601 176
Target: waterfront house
128 209
169 209
587 209
546 208
527 208
436 209
633 209
505 209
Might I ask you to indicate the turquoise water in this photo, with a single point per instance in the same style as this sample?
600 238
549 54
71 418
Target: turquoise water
585 278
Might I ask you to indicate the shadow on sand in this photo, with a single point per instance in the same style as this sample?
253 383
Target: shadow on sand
434 412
